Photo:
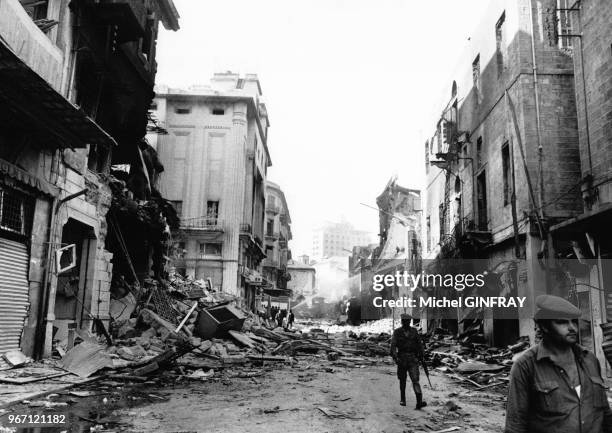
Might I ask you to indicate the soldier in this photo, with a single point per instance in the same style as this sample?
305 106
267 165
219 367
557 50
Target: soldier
407 352
556 386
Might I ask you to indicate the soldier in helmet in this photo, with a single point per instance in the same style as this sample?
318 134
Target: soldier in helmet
407 351
556 386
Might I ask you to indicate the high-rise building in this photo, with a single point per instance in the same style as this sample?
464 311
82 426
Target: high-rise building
337 239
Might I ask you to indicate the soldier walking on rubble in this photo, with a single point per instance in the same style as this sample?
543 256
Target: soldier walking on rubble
556 386
407 352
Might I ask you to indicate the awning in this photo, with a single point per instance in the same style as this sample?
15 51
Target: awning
35 99
277 292
11 171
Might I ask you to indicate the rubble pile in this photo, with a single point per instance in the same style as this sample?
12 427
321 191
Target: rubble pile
472 363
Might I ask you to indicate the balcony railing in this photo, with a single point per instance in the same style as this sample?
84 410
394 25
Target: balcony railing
202 223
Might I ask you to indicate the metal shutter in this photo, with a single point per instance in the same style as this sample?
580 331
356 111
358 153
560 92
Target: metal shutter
14 289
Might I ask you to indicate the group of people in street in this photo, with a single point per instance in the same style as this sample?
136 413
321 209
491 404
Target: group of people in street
555 386
280 317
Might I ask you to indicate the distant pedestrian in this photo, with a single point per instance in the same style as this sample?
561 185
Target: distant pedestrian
291 319
556 386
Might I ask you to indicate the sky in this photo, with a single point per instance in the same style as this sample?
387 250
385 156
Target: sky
350 86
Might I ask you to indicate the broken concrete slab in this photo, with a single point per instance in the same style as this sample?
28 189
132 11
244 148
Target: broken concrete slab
85 359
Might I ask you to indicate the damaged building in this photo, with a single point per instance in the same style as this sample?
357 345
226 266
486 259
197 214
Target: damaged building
398 250
216 161
515 189
76 81
277 237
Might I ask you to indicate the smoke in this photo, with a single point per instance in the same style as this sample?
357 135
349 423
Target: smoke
333 282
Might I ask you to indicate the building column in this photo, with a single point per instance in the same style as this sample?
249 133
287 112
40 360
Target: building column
232 200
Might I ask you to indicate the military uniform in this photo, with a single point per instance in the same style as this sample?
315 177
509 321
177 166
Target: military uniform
543 397
407 351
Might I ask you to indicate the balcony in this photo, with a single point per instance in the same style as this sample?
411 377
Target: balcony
202 223
33 46
273 209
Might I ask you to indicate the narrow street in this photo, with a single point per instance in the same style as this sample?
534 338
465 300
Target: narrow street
278 399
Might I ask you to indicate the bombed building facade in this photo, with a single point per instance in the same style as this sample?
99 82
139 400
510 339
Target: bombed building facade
511 182
76 81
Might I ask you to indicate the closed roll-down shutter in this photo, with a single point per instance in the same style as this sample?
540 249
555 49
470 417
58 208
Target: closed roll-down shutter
14 299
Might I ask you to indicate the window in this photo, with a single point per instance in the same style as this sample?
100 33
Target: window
182 110
479 152
15 212
270 227
564 23
500 41
154 106
210 249
178 206
441 211
506 173
98 158
481 196
212 212
218 111
476 75
428 234
37 10
426 157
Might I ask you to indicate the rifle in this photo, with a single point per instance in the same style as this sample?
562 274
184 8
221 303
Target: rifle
426 371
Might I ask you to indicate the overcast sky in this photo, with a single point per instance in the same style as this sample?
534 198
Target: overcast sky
350 87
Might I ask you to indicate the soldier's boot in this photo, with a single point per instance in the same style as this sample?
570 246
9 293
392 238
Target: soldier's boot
420 402
402 393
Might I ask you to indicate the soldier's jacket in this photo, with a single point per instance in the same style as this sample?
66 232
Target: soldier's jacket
541 398
406 345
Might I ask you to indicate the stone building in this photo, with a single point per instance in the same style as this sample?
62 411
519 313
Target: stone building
303 279
216 161
584 243
76 80
503 163
277 236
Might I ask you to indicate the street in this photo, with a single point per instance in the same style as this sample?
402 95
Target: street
277 399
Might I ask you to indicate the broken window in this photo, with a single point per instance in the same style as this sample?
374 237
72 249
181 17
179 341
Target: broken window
38 10
506 173
500 41
16 211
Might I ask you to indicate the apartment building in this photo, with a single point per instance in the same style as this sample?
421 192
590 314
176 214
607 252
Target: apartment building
216 161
